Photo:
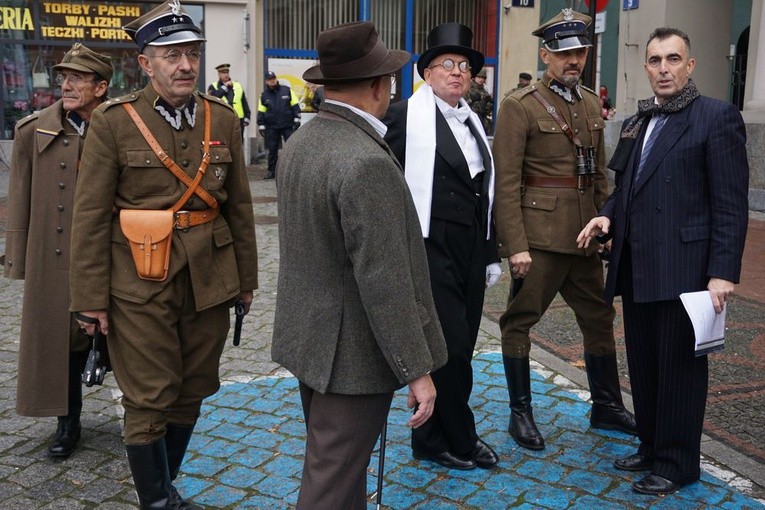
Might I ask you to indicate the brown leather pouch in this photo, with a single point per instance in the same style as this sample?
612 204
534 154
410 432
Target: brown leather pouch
150 234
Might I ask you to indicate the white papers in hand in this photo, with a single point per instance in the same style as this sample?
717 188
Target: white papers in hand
708 325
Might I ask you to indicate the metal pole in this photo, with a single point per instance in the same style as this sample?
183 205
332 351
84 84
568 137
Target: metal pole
381 466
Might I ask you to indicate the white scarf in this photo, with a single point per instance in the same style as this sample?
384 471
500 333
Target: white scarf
421 154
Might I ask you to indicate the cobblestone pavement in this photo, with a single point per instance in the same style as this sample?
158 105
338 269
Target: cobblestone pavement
247 450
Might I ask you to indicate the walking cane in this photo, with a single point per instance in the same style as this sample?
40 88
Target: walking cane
382 464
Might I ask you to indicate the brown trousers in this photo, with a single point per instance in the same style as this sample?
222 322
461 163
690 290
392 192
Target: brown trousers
342 432
580 282
165 356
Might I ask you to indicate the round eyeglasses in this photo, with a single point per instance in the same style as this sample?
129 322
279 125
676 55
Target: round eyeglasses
449 64
174 56
73 79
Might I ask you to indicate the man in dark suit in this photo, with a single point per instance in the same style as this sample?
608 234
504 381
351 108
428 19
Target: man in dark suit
355 318
678 217
449 170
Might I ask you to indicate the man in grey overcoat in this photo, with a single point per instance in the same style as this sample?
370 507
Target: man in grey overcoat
355 318
43 173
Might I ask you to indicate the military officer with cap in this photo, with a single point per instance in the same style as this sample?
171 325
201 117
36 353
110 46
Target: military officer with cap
549 155
165 335
480 101
43 173
232 93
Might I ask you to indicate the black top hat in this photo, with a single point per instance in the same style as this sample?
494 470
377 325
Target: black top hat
566 31
353 52
450 38
166 24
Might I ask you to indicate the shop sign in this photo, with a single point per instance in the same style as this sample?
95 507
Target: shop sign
85 21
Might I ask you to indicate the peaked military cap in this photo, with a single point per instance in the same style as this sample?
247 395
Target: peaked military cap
566 31
164 25
83 59
223 67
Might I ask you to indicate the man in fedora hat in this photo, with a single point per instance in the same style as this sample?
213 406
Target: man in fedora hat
166 335
442 146
550 182
43 172
355 318
231 92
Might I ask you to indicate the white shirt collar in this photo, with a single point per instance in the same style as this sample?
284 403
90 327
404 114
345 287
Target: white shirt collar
373 121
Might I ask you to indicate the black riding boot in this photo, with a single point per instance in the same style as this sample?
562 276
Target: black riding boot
177 440
522 426
69 428
608 410
148 465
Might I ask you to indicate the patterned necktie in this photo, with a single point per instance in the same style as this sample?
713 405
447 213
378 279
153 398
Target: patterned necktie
661 118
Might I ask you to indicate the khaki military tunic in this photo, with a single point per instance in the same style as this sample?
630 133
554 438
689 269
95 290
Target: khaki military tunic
545 220
165 337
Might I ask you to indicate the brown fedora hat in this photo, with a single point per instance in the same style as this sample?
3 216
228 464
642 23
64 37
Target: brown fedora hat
353 52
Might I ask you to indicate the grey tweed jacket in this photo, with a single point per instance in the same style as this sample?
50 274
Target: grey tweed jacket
354 309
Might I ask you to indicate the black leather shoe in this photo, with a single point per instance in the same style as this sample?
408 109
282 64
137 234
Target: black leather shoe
655 485
269 175
634 462
613 417
67 436
447 460
483 455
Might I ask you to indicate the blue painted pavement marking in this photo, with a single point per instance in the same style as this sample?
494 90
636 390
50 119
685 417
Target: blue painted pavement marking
248 447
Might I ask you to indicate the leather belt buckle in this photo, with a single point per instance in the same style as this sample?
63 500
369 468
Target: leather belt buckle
182 220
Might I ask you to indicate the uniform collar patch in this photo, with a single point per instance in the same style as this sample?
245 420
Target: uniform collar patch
79 124
568 95
174 116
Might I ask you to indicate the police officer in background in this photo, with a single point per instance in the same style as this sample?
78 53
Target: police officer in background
166 335
549 185
480 101
232 93
43 172
278 117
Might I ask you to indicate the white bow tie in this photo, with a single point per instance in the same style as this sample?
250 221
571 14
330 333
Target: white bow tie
460 114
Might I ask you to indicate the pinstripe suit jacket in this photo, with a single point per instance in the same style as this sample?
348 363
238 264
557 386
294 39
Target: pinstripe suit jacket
686 218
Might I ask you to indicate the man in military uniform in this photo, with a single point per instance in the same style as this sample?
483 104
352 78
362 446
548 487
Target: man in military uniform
480 101
232 93
166 335
550 183
43 172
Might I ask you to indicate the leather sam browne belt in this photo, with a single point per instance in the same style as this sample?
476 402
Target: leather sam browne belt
541 181
187 219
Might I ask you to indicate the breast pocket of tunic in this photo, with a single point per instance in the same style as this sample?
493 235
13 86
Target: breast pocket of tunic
147 176
554 142
217 170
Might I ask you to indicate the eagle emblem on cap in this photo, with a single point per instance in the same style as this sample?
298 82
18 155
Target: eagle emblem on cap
568 14
175 6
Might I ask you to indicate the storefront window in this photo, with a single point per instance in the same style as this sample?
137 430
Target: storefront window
34 36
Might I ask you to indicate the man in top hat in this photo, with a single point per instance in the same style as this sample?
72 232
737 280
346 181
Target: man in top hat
480 101
550 182
442 146
278 117
231 92
355 318
166 334
43 172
